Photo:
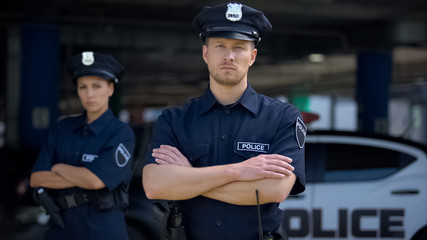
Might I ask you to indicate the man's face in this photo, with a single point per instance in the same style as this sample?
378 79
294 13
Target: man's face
228 60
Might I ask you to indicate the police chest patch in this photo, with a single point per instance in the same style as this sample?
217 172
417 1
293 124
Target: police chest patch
253 147
88 157
122 155
300 132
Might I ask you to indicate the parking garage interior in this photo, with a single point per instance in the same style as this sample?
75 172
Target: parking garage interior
360 65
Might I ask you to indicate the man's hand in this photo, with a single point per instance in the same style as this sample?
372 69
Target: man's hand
174 178
264 166
261 166
170 155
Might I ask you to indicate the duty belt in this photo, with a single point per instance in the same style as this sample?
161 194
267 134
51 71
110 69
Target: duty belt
75 200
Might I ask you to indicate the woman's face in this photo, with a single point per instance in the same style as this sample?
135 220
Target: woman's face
94 93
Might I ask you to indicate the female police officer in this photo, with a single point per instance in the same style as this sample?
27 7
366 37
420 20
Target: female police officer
85 162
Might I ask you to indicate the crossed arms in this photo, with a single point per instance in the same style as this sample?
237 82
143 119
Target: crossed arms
173 178
66 176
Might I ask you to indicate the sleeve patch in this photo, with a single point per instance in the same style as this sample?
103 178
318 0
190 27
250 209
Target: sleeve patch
122 155
300 132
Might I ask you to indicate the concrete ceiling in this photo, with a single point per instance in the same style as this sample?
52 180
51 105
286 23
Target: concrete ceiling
162 55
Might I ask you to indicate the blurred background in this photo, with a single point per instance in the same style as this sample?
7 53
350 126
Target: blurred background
359 65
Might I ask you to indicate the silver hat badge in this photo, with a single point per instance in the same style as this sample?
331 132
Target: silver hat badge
88 58
234 12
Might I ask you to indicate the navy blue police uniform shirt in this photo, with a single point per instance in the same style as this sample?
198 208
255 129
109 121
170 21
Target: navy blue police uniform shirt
209 134
105 147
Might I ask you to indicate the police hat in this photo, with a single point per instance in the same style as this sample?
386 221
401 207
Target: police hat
231 20
94 64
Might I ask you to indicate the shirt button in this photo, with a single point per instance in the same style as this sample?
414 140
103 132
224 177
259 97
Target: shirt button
227 111
224 136
218 222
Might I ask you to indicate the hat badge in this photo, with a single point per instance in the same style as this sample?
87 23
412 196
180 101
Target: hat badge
88 58
234 12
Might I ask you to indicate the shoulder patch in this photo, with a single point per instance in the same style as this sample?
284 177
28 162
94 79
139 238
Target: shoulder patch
300 132
122 155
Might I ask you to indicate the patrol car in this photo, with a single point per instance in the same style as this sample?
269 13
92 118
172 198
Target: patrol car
360 187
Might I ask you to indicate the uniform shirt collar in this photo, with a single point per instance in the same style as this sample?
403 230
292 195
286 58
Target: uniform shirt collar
99 124
249 100
207 101
96 126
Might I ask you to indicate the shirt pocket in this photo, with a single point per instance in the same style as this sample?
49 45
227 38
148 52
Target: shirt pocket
196 153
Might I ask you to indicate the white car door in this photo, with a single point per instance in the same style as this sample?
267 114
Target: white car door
362 189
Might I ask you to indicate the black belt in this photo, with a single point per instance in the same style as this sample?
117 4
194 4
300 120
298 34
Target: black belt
75 200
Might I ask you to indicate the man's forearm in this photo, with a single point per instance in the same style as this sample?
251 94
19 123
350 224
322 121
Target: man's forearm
173 182
173 178
243 193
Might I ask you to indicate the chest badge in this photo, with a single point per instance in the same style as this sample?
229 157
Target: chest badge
88 157
300 132
253 147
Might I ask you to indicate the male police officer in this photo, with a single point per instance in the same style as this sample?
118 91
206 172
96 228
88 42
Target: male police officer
216 151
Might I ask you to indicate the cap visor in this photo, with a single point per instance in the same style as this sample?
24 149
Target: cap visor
231 35
94 72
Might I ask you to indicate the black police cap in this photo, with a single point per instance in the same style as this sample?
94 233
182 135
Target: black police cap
231 20
94 64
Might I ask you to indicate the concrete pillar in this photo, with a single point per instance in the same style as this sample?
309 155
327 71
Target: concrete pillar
13 85
39 81
374 74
